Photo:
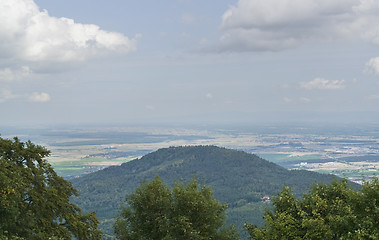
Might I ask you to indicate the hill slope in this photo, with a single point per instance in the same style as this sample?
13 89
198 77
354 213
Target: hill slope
237 178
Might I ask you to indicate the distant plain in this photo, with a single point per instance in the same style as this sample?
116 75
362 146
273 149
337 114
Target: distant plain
350 151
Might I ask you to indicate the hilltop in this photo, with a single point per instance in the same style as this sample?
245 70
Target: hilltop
237 178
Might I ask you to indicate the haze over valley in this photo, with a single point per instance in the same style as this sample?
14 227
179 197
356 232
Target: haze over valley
346 150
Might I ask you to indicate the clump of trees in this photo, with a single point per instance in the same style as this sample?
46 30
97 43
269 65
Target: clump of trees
187 212
34 200
333 211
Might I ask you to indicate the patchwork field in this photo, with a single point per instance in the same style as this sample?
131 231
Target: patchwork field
344 151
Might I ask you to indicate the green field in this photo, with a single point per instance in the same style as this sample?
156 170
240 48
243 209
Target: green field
283 158
70 169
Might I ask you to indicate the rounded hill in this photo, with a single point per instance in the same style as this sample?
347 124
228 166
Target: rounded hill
237 178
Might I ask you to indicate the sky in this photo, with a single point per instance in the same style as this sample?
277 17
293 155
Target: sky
188 61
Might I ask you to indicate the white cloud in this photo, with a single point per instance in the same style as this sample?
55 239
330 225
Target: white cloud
9 75
209 96
150 107
39 97
305 99
28 34
372 66
203 40
6 75
373 97
189 19
272 25
324 84
5 95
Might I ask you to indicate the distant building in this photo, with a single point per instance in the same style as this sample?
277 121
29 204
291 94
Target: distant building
266 199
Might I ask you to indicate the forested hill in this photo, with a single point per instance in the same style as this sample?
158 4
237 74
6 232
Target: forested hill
237 178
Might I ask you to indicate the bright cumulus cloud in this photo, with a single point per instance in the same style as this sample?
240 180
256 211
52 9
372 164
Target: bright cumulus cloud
321 83
372 66
28 34
272 25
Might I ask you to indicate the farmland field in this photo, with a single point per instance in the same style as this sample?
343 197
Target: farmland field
343 151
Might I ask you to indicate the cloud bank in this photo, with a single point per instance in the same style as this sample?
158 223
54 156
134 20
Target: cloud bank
272 25
323 84
30 35
7 95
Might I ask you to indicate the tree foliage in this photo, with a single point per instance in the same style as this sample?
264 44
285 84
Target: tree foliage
34 200
332 211
187 212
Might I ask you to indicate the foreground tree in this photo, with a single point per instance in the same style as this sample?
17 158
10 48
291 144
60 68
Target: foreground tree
332 211
187 212
34 200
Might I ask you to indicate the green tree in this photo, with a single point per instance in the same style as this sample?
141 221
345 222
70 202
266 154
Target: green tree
332 211
187 212
34 200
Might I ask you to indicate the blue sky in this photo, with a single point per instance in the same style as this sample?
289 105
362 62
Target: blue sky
188 61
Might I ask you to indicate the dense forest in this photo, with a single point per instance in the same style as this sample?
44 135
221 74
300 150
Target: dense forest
237 178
